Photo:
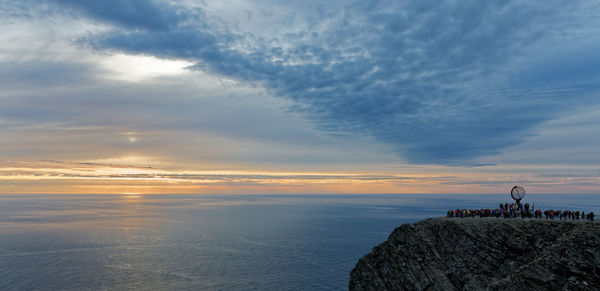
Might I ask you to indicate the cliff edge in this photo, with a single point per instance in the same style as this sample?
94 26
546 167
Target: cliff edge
484 253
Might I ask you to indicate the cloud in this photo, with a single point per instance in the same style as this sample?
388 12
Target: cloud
123 175
118 173
146 14
441 82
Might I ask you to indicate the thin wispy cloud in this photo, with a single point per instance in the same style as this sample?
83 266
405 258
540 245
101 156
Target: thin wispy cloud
36 176
71 174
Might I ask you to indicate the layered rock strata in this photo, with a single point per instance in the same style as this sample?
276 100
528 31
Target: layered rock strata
484 254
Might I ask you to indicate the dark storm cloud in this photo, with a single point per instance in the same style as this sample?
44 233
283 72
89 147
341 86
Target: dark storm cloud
442 82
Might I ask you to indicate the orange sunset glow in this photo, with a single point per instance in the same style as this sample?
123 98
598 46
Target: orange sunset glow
48 177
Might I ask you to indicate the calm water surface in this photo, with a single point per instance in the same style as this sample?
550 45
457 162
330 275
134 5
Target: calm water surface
191 242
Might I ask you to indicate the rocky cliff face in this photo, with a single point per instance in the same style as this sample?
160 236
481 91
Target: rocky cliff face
484 253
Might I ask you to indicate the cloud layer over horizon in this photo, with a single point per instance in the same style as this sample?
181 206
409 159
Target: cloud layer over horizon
365 87
442 83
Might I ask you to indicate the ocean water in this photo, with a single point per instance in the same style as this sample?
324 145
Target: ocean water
196 242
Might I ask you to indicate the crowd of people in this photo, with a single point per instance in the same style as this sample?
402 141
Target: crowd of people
518 210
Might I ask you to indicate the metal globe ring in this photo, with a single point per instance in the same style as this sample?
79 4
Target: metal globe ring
517 192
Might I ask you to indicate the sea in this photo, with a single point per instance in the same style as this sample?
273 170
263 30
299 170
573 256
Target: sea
212 242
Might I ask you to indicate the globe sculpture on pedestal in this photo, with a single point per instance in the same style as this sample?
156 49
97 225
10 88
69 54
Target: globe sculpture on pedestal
517 193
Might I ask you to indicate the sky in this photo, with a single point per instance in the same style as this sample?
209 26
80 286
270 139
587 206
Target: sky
230 96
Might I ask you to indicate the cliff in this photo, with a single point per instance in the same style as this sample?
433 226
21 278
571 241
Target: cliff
484 253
